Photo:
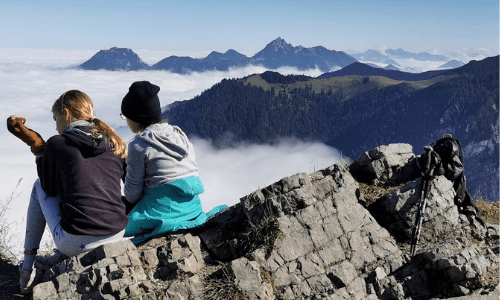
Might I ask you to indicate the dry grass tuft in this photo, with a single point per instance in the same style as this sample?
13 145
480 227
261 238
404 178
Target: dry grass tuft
491 276
220 286
221 289
259 235
248 236
6 229
372 192
490 211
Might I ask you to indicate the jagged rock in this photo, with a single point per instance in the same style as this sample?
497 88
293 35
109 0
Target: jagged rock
391 164
397 210
183 254
324 245
307 236
247 277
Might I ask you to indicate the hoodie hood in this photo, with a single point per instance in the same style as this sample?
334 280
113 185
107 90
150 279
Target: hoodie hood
167 138
78 134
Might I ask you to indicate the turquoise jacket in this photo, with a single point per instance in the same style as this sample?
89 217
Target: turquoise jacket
169 207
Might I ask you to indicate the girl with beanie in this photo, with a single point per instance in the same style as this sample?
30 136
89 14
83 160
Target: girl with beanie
78 193
162 175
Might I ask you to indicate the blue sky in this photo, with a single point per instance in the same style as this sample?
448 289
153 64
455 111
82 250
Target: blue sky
189 26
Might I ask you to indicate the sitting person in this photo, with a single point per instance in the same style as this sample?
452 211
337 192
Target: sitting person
78 193
162 175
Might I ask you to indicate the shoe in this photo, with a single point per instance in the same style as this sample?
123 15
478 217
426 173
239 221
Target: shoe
47 262
25 280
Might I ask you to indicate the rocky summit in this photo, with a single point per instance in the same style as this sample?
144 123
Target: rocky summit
340 233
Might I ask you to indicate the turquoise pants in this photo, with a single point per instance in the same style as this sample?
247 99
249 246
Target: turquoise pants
170 207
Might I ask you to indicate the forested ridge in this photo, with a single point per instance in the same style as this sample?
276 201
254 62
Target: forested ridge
356 113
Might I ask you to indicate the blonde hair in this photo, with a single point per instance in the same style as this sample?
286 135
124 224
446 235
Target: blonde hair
80 107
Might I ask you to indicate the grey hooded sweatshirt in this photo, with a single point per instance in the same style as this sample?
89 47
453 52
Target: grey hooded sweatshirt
161 154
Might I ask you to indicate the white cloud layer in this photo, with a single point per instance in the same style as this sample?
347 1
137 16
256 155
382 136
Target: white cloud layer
232 173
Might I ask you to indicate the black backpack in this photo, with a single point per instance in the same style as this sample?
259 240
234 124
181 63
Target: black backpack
450 152
445 158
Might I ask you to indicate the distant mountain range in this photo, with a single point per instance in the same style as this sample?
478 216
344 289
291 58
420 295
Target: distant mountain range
276 54
376 56
356 109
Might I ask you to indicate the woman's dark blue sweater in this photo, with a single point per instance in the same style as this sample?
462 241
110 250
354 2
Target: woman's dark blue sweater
85 174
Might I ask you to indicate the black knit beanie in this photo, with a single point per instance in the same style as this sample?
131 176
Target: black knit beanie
141 104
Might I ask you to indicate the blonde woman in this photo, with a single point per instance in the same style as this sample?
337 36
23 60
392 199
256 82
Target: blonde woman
78 193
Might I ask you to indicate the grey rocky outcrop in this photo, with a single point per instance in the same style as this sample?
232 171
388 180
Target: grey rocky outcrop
307 236
386 165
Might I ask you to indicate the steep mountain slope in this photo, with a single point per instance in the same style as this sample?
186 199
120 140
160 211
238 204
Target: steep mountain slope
115 59
465 106
355 113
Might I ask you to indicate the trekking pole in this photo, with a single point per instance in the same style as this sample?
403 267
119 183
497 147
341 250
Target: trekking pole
420 217
431 163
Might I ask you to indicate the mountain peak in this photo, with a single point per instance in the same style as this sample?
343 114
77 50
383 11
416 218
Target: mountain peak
452 64
231 52
279 53
214 54
280 44
119 50
123 59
